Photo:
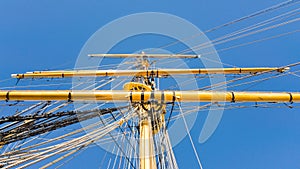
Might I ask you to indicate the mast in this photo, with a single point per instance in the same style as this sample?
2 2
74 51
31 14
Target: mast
149 102
147 155
145 96
145 73
140 55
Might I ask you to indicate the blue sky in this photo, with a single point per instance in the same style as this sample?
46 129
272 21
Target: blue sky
37 35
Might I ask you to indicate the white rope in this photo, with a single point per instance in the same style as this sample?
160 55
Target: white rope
252 15
222 39
190 137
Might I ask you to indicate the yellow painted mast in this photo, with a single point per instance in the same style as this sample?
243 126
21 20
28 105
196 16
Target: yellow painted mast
144 73
145 95
138 96
160 56
147 155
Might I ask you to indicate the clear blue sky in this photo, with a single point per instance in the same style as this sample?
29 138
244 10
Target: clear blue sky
37 35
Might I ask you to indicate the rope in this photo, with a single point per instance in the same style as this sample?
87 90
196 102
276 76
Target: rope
190 137
252 15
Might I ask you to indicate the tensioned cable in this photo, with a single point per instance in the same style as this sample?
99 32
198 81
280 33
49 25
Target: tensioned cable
46 151
263 79
122 131
71 158
74 140
252 15
117 153
210 87
294 74
243 30
116 143
190 137
229 107
246 77
245 35
251 42
56 139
